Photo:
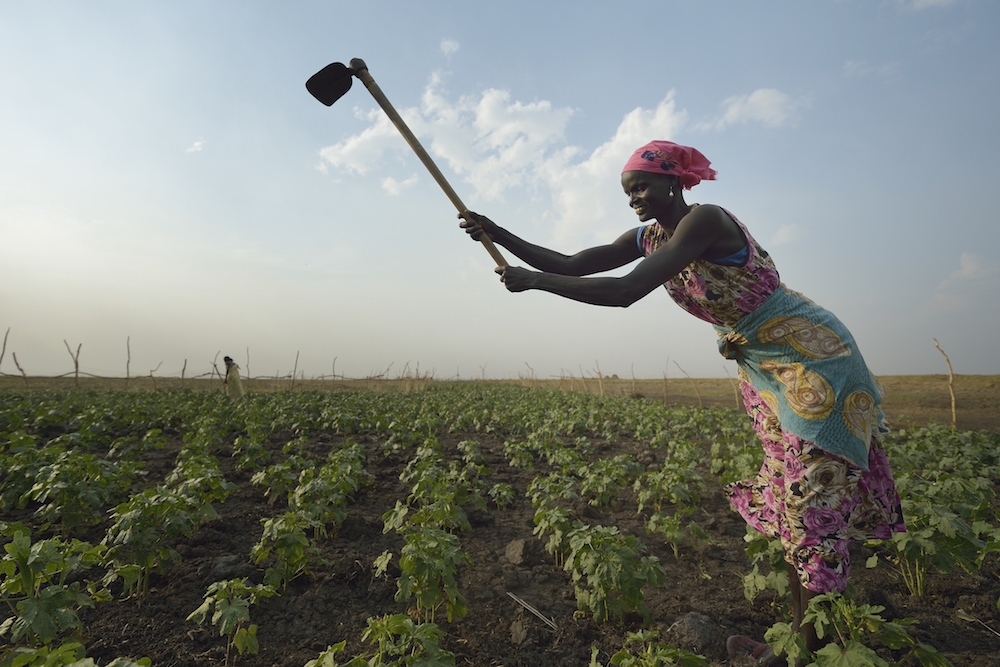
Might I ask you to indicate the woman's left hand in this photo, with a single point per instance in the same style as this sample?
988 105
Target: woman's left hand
515 278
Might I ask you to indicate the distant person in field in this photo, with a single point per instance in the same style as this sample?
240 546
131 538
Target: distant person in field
234 387
825 481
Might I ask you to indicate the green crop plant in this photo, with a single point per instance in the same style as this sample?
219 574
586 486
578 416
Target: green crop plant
318 496
429 562
398 641
946 483
21 459
471 452
609 572
935 538
285 537
564 458
347 466
518 454
442 512
140 537
75 487
67 654
675 530
328 658
604 479
33 585
439 492
555 523
142 530
676 483
249 450
198 477
852 627
128 447
760 549
639 650
281 478
502 495
552 489
229 602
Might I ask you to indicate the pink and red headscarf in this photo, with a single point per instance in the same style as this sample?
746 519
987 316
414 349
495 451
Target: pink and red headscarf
666 157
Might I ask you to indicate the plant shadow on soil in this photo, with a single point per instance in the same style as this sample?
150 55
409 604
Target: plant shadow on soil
334 603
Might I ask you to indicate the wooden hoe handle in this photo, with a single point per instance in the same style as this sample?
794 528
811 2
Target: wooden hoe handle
361 71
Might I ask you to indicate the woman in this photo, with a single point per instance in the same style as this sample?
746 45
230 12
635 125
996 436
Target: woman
825 481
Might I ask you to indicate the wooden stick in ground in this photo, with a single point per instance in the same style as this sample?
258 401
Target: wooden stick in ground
736 391
665 369
23 374
215 368
3 351
128 357
295 370
693 384
76 362
151 378
951 384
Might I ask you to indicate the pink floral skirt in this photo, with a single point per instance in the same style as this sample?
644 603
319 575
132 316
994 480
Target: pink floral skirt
816 503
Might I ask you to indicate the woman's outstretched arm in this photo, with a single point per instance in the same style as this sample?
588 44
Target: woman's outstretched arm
592 260
695 233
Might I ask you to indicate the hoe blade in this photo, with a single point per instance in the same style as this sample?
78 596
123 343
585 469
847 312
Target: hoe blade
330 83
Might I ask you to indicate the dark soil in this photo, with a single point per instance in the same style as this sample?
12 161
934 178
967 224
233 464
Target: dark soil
343 592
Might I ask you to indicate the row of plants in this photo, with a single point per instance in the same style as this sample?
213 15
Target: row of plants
73 460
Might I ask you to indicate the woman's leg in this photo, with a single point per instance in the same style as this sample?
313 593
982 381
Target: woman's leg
800 602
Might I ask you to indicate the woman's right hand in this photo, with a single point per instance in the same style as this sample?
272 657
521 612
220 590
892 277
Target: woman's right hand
476 225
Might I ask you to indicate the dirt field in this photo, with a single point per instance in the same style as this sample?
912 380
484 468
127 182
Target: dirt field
703 585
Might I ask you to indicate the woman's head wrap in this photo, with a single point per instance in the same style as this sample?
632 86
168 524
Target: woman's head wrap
666 157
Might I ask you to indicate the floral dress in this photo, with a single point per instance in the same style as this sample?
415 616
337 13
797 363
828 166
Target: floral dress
825 480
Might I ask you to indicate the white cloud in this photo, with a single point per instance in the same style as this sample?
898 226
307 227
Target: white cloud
359 153
767 106
195 147
971 268
976 281
449 46
587 195
496 144
785 234
394 188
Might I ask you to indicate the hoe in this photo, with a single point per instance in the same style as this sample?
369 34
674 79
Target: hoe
331 83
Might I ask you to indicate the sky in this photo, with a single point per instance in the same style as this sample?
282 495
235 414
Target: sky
170 193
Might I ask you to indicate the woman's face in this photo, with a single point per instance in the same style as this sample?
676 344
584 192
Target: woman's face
649 194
